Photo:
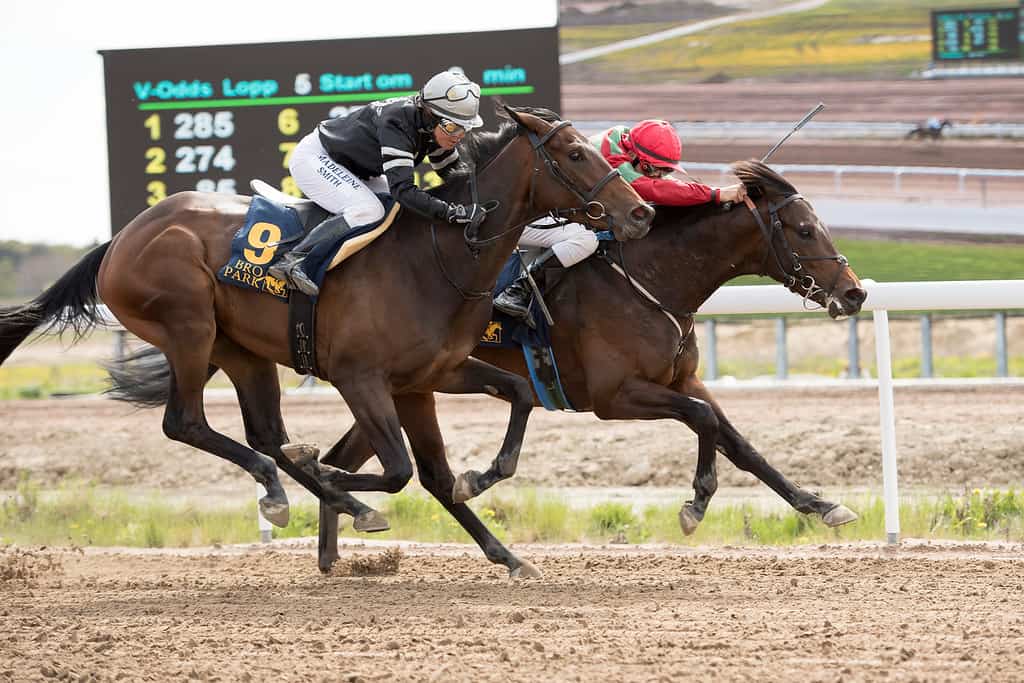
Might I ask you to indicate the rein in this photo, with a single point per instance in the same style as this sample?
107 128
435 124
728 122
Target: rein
793 276
593 209
650 300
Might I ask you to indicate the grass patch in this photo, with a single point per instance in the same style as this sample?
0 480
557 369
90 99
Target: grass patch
889 261
43 381
81 516
843 38
906 367
576 38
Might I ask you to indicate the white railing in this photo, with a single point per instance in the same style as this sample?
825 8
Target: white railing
837 171
882 297
815 130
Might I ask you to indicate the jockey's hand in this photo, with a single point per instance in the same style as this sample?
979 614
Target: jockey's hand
733 193
459 214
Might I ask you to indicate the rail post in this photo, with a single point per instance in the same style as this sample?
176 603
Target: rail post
781 356
888 427
265 527
711 344
853 371
926 346
1002 364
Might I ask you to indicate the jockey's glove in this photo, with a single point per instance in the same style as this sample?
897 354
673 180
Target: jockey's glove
459 214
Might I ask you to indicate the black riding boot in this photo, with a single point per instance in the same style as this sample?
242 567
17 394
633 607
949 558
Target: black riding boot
515 299
290 267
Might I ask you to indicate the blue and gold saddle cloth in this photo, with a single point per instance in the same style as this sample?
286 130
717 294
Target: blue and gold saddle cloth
271 230
504 331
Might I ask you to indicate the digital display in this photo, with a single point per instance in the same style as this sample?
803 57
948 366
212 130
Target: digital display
212 118
976 34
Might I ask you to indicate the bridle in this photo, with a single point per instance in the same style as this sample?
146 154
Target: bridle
794 278
592 208
589 206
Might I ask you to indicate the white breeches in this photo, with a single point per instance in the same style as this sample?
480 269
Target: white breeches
571 242
333 186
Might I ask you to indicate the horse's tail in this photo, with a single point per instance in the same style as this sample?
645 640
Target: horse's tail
142 378
69 303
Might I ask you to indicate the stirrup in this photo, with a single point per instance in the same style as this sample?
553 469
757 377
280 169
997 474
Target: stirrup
290 270
515 308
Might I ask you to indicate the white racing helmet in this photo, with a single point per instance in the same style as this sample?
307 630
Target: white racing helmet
452 96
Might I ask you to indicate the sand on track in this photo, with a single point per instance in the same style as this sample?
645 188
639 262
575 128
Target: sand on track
829 613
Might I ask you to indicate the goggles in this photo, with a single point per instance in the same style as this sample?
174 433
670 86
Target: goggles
458 93
450 127
652 171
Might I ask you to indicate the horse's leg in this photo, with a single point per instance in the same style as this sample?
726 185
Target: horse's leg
373 407
739 451
419 418
638 399
259 397
477 377
185 420
349 454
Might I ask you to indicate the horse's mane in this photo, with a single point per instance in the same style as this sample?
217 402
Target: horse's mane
479 148
759 176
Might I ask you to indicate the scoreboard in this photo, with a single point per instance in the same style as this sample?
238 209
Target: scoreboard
990 34
212 118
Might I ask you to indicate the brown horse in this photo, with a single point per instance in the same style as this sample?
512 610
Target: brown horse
396 323
625 357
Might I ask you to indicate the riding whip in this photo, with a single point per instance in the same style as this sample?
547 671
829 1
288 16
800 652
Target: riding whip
800 124
810 115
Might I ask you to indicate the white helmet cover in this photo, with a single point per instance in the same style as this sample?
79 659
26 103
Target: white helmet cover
453 96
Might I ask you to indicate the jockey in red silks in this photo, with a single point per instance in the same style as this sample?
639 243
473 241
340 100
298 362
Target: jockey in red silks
645 155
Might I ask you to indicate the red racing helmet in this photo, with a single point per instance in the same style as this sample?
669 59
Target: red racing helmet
656 142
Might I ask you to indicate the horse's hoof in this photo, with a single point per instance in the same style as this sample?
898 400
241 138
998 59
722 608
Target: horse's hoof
525 570
464 486
688 521
324 564
371 521
300 453
839 515
274 511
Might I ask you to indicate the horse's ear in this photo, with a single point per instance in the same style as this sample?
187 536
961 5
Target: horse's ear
527 121
512 114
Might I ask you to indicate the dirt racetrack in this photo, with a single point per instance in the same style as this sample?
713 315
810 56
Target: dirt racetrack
948 438
832 613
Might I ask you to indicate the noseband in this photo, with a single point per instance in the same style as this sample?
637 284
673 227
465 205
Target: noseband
793 275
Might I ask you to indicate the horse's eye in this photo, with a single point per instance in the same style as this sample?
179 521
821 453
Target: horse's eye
576 155
804 233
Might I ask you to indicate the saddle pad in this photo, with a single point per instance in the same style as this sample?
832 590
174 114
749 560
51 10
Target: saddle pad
508 332
256 246
271 230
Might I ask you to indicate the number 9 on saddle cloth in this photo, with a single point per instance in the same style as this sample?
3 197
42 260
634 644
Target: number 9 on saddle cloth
272 229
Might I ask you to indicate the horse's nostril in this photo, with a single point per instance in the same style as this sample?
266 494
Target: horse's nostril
856 295
642 213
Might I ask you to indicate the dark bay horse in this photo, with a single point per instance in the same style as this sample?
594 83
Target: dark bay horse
626 358
395 323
